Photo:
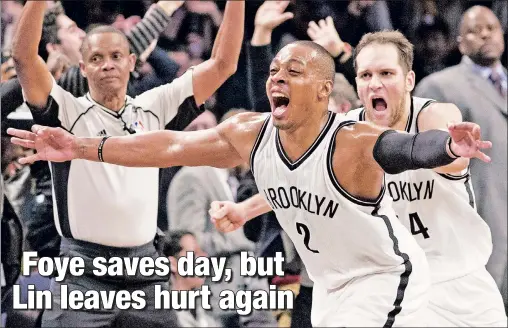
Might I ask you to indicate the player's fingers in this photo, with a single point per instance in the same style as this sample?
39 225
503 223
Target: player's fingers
223 224
36 128
22 134
230 228
213 214
215 206
469 139
224 210
461 126
44 132
483 157
483 144
476 132
29 159
322 23
23 142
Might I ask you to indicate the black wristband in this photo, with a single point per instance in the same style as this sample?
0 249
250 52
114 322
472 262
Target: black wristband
450 147
399 152
99 150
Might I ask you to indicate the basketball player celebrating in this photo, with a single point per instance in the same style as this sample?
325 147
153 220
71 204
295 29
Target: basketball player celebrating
323 176
437 206
428 202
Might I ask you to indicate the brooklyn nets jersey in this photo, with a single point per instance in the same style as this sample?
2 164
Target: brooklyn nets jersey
338 236
440 212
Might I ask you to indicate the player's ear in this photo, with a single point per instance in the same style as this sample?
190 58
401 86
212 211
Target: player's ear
410 81
325 89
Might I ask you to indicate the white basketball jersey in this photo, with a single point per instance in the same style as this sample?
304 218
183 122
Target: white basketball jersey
338 236
440 212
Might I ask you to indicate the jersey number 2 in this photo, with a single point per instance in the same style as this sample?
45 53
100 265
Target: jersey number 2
304 230
417 225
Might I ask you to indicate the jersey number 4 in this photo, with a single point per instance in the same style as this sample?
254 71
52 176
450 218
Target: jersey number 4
417 226
304 230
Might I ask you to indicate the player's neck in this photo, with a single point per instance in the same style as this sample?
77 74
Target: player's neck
297 141
401 123
112 101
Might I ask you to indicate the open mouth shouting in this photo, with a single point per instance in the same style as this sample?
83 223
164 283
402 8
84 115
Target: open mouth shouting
379 104
280 104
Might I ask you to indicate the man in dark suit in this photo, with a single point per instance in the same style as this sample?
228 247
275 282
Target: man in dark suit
478 87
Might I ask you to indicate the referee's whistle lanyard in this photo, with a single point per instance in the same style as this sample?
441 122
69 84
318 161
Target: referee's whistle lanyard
127 128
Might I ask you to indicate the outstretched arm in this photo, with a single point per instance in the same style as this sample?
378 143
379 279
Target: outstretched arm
436 116
375 151
211 74
33 75
227 145
210 147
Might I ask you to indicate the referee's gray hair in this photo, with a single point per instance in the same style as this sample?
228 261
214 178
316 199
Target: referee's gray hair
99 29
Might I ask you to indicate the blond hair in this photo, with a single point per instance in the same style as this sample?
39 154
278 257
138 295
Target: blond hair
404 47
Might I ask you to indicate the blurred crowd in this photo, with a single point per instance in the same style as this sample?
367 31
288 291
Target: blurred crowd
167 45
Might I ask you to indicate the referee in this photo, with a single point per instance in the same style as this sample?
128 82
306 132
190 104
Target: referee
101 209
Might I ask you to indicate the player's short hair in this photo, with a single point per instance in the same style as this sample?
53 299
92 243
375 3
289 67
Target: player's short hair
170 243
99 29
404 47
326 61
50 29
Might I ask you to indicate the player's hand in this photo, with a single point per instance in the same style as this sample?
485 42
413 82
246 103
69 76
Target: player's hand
170 6
271 14
51 144
227 216
467 142
325 34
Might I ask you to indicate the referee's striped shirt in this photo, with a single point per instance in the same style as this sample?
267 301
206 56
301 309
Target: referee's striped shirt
103 203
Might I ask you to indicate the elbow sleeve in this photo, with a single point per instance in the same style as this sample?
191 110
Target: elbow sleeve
399 152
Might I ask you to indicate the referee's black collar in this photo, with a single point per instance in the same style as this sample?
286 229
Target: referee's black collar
88 96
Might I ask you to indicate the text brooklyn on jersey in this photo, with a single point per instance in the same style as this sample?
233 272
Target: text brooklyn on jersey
293 197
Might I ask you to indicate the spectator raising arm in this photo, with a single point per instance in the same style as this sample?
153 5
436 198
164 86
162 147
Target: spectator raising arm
259 53
325 34
33 75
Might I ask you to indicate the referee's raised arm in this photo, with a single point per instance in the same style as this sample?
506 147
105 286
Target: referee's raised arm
33 75
211 74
